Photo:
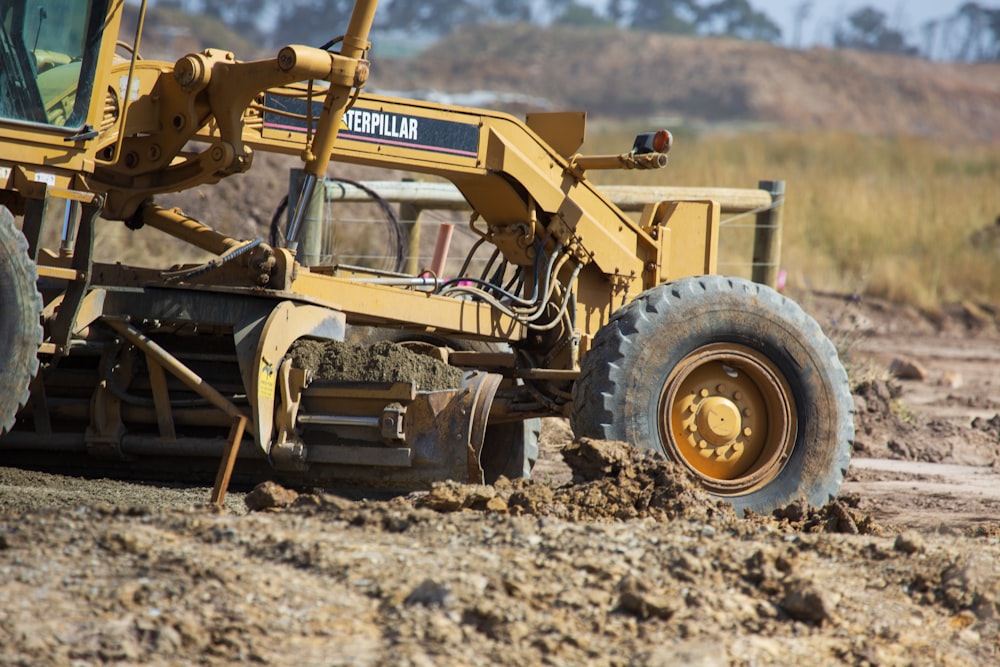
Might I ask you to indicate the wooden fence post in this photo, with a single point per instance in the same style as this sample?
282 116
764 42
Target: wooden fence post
409 217
767 236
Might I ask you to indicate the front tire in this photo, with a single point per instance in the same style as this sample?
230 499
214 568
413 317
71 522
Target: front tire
731 380
20 323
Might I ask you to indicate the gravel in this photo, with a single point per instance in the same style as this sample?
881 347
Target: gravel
513 574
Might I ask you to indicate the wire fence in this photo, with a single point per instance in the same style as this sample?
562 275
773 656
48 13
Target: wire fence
354 233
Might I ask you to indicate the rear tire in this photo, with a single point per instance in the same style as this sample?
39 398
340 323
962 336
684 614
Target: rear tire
729 379
20 320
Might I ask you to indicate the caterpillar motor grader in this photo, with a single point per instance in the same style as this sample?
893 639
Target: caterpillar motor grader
619 323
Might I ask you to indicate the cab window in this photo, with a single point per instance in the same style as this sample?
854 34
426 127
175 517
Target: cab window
48 50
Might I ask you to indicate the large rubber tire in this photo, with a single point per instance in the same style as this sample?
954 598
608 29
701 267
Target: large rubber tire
510 448
20 320
730 379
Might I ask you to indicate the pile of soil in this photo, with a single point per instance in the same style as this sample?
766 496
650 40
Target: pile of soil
886 427
381 362
612 481
879 416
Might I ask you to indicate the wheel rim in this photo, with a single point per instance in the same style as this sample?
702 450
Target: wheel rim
728 415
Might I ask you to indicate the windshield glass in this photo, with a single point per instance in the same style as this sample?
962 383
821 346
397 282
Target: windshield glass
49 50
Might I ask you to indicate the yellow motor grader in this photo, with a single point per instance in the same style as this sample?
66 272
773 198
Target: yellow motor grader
619 323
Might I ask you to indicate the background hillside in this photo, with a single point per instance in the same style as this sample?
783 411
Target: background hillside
615 73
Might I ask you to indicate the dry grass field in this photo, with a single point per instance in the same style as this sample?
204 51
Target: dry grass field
901 218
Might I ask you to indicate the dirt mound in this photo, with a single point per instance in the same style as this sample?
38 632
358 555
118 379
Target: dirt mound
381 362
879 419
617 480
990 427
613 481
838 516
887 427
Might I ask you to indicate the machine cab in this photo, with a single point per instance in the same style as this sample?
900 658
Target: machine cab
55 59
50 51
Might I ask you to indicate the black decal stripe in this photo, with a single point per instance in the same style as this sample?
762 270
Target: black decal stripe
432 134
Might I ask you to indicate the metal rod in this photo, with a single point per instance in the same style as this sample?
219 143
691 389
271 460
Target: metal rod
301 206
161 399
338 97
546 374
311 228
176 224
228 461
59 442
170 363
408 282
71 225
441 248
152 445
128 81
445 196
341 420
623 161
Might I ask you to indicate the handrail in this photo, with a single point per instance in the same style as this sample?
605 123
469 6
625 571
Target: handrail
629 198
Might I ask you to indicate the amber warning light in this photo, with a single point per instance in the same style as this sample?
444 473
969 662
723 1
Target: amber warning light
653 142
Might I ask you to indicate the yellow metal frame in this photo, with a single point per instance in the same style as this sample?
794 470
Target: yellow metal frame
165 127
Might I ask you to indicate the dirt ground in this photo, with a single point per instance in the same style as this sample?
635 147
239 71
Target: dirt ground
608 557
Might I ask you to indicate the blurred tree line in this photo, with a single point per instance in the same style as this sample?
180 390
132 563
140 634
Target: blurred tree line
971 34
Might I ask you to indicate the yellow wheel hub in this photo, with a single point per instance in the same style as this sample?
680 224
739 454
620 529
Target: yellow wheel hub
719 421
727 414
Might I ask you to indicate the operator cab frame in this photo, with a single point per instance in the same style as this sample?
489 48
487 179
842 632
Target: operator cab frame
50 51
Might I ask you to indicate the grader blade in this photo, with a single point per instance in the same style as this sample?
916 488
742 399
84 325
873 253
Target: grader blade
389 434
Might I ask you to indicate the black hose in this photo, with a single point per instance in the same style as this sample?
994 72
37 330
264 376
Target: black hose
397 242
187 274
397 238
276 224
